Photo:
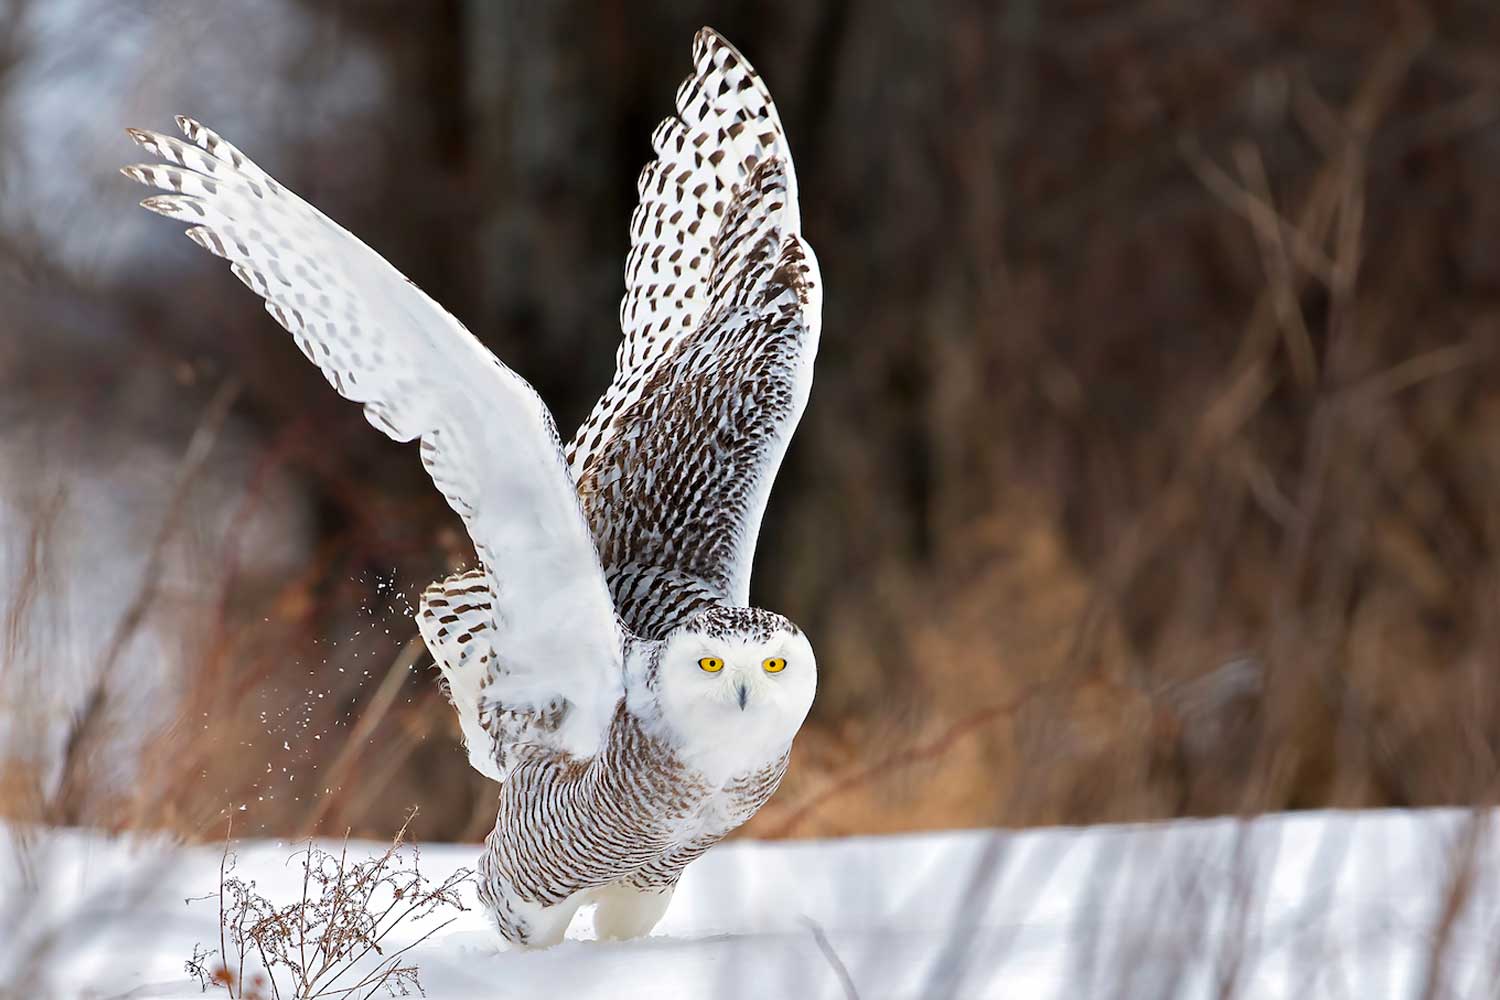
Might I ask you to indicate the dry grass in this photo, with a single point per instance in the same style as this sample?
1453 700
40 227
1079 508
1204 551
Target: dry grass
329 942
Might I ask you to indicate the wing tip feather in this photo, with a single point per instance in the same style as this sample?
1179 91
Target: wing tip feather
709 40
173 206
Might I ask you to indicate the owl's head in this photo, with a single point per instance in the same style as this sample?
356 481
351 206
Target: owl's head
740 679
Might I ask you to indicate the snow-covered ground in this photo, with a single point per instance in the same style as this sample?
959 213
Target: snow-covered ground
1330 904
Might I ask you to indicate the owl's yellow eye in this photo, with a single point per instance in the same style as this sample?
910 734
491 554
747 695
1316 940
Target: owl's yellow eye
774 665
712 664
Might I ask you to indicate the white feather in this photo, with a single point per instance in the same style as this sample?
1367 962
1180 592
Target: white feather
488 441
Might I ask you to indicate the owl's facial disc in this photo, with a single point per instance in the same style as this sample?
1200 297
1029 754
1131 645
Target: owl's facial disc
741 690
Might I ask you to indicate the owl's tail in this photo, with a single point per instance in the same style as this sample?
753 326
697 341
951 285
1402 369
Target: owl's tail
457 620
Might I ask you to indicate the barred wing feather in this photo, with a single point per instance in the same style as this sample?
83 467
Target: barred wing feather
720 319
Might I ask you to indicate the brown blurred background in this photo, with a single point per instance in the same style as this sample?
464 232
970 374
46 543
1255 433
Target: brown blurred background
1152 466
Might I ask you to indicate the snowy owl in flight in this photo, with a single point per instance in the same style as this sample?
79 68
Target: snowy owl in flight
603 661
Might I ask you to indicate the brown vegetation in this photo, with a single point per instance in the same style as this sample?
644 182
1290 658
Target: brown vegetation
328 942
1151 467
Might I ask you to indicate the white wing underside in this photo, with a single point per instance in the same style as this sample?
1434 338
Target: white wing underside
488 441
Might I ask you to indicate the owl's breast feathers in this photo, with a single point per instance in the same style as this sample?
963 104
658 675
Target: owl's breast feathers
635 813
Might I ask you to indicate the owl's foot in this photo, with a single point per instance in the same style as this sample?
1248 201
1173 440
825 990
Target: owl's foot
627 912
531 925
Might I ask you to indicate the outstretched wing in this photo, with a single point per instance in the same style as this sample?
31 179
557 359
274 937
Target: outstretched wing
720 316
548 643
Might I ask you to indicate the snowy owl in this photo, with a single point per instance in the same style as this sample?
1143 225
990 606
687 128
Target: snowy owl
603 661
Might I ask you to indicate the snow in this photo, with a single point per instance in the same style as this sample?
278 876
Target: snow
1312 904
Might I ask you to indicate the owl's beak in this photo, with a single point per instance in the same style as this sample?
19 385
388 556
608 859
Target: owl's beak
744 694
